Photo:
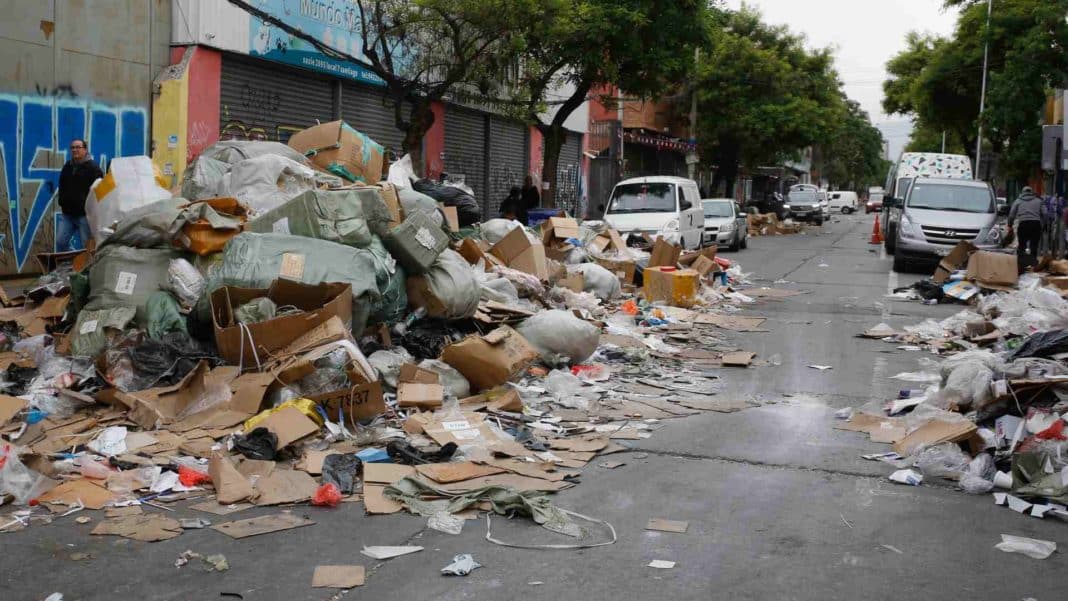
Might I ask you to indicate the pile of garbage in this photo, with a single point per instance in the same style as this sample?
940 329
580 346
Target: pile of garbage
291 330
990 415
966 271
768 224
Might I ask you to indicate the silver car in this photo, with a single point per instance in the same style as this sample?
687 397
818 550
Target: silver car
725 224
938 213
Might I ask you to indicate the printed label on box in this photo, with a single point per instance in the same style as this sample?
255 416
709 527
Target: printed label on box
292 266
425 238
126 283
88 327
454 426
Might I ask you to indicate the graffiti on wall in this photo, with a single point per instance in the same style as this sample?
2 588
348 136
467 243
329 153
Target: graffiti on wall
34 134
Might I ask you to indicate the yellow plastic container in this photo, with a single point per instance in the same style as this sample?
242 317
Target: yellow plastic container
305 406
675 287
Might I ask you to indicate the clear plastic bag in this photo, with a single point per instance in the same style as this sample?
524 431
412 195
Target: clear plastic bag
979 478
388 364
455 384
560 337
17 480
944 460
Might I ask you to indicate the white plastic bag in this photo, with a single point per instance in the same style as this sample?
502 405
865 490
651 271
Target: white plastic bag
602 283
388 364
17 480
265 182
131 182
454 382
401 173
560 337
495 229
185 282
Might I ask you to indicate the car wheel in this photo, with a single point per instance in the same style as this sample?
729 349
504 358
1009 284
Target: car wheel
889 242
845 210
745 241
900 264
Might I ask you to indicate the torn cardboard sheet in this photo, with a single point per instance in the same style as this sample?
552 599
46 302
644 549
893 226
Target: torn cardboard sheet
284 486
75 492
289 425
446 473
230 485
738 359
662 525
338 576
262 525
934 432
148 528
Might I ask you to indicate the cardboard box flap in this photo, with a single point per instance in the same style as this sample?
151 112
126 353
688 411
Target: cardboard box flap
993 268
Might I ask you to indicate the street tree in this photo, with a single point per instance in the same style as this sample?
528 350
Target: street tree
852 153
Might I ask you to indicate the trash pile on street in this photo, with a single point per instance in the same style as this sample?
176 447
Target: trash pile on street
284 332
768 224
990 415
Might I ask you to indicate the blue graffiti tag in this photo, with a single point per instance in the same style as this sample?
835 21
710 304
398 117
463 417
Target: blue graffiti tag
34 132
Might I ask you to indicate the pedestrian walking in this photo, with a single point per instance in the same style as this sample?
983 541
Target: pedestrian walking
514 207
531 196
75 179
1025 218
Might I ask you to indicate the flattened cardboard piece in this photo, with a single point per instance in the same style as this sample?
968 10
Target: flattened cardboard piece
558 228
289 425
255 468
867 423
53 307
423 396
72 492
339 576
662 525
461 432
148 527
375 502
664 254
386 473
953 261
689 258
312 462
773 293
491 360
446 473
738 359
452 217
263 524
230 486
284 486
578 444
992 269
509 401
734 323
472 252
10 407
215 508
934 432
617 241
332 330
410 372
317 304
545 471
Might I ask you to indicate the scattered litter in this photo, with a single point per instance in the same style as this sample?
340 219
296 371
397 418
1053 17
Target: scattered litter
1031 547
821 367
663 525
910 477
461 565
661 564
611 465
383 552
893 548
338 576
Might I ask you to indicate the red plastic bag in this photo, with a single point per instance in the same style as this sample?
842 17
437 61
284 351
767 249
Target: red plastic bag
1054 432
327 495
724 263
191 477
630 307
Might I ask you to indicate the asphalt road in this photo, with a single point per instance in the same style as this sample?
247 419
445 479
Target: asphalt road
780 505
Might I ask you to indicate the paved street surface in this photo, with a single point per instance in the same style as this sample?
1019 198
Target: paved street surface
780 505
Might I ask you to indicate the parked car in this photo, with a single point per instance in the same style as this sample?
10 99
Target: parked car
725 223
664 206
875 199
910 167
844 202
804 204
937 213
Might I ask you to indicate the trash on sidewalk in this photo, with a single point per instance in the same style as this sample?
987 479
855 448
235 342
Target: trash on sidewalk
338 576
661 564
667 525
461 565
1031 547
385 552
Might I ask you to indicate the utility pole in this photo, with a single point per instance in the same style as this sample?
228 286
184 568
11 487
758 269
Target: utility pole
691 155
982 95
943 141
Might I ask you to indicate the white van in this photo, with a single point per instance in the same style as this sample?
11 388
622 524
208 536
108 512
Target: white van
910 167
843 201
659 206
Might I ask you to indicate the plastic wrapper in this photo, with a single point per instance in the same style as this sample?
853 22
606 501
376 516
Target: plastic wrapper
454 383
401 173
130 182
598 280
121 276
451 281
388 364
17 480
343 471
979 478
567 390
498 290
186 282
526 284
204 178
467 209
560 337
92 329
323 380
164 315
966 386
326 495
268 181
148 226
944 460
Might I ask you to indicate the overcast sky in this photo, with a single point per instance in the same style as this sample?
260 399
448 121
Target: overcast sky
866 34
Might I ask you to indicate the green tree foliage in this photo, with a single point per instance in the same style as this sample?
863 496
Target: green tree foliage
938 80
763 97
852 153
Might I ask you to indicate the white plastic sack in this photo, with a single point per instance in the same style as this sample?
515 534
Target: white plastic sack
560 337
452 282
495 229
454 382
602 283
185 281
265 182
412 200
130 183
401 173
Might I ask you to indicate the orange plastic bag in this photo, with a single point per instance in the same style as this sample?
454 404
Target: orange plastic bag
327 495
191 477
630 307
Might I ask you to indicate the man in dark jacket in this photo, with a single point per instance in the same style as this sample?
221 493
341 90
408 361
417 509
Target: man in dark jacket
75 180
514 207
531 196
1027 215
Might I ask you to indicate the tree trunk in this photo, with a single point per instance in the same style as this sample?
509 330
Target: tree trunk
554 137
414 130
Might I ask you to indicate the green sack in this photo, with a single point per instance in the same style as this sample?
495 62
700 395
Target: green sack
121 276
348 217
89 336
164 315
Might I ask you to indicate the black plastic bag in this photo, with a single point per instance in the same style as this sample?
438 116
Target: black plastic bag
403 452
1042 344
257 444
343 471
467 210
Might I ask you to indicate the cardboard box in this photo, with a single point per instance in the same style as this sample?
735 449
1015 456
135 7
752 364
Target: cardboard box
490 360
392 199
675 287
452 217
416 243
575 282
953 261
665 254
624 270
518 252
341 150
688 259
410 372
422 396
475 251
362 399
703 265
992 269
558 228
317 304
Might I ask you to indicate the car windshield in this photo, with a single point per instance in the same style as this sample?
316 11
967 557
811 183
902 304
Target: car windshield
717 208
965 199
643 198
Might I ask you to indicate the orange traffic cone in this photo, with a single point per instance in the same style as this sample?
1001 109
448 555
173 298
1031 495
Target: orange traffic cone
876 232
